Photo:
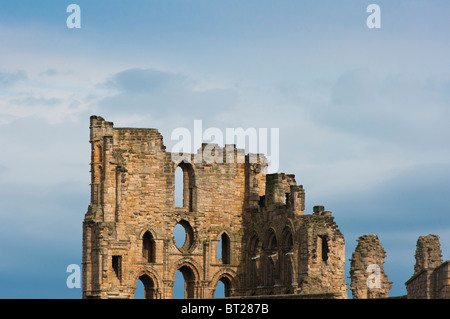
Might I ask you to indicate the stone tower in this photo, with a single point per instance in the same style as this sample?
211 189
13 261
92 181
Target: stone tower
368 279
268 245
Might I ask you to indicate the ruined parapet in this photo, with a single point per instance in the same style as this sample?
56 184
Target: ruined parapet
368 279
431 278
320 211
282 190
278 188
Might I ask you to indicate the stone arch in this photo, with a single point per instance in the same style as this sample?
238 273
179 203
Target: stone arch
287 271
254 257
150 281
186 262
228 279
271 239
190 271
254 242
287 239
189 186
271 250
148 247
225 240
147 228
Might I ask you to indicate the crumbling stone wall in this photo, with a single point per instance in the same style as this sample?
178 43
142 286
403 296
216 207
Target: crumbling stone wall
292 253
368 279
271 246
431 278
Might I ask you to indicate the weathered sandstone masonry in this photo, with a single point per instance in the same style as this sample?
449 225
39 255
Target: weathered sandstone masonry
243 227
368 279
269 246
431 278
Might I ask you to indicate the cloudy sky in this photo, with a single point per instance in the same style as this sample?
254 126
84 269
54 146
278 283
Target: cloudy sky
362 113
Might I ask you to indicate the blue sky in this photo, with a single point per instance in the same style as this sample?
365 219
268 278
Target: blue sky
362 113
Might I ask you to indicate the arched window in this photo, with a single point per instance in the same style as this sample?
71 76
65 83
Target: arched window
148 247
254 250
223 249
272 259
272 243
178 286
186 289
149 288
287 263
185 191
223 288
178 187
139 292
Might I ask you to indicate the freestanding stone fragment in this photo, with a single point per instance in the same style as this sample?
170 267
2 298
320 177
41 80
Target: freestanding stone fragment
368 279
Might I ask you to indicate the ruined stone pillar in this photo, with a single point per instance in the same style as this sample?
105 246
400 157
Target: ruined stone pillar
424 283
428 253
368 279
297 199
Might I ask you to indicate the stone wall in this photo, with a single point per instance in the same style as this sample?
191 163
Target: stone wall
293 254
440 281
269 245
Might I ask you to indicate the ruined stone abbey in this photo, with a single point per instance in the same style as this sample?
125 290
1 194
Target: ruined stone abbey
244 227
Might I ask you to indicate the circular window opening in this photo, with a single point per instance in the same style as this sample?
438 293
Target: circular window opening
183 235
